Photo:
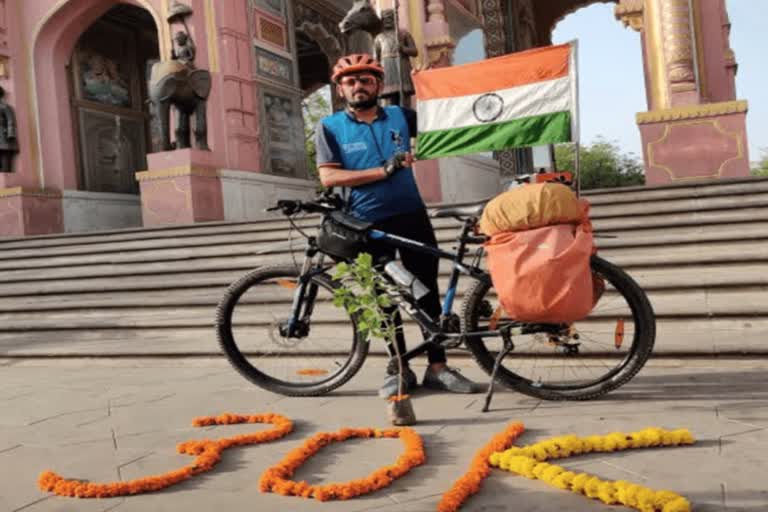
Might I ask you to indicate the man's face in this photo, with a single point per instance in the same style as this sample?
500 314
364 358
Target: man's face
359 90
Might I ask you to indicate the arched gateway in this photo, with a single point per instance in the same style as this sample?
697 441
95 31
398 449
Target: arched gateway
84 130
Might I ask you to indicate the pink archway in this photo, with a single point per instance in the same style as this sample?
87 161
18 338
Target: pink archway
51 52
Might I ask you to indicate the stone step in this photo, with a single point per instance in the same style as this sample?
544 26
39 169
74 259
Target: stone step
757 200
607 204
261 310
667 193
676 336
201 236
260 243
686 275
247 257
680 220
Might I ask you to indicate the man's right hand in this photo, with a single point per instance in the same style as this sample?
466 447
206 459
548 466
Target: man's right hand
397 162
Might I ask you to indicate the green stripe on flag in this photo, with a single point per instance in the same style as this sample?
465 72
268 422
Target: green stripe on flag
529 131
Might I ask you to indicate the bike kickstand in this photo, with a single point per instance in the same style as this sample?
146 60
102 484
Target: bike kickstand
509 346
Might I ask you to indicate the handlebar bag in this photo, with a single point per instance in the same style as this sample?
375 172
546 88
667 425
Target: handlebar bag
529 207
543 275
343 236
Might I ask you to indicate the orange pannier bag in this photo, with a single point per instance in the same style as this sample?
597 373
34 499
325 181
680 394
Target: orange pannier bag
543 274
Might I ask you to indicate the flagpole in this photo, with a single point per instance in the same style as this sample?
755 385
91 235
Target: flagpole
575 132
399 64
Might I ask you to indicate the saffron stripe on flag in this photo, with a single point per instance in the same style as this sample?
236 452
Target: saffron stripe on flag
516 103
505 72
531 131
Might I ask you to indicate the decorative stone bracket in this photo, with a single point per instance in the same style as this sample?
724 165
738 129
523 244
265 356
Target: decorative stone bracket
631 13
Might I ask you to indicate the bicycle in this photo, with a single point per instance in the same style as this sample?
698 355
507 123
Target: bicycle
303 353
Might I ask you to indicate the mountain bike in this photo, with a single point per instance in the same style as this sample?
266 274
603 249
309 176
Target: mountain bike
279 328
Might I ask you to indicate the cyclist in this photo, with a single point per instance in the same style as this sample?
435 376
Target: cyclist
366 148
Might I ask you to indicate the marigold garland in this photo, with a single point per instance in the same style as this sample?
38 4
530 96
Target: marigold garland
529 462
277 478
208 454
470 482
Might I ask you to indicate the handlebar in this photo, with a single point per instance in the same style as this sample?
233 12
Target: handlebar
322 204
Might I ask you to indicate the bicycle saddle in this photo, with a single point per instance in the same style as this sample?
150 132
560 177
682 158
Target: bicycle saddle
469 210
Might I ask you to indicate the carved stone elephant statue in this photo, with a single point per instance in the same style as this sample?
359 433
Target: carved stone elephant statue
360 26
187 89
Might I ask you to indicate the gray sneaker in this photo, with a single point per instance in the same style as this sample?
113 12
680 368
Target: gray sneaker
450 379
389 388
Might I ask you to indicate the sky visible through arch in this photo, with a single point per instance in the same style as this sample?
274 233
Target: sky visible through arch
612 86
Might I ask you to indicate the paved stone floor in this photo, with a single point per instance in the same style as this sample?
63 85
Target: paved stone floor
106 420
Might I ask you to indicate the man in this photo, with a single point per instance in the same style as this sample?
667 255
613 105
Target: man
366 148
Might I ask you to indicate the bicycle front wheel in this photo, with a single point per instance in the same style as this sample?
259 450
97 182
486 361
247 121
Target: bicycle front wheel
590 358
250 325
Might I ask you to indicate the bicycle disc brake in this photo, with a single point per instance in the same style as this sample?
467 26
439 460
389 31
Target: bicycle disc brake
277 330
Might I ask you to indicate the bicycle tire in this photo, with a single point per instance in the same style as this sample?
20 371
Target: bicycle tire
237 358
644 334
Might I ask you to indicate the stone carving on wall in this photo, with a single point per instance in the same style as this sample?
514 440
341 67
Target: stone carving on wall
3 26
103 81
525 24
271 32
320 29
273 66
359 27
9 146
493 27
282 118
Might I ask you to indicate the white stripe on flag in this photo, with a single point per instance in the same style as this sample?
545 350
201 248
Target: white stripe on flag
518 102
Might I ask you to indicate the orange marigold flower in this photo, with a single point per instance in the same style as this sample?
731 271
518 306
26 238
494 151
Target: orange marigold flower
470 482
208 455
277 478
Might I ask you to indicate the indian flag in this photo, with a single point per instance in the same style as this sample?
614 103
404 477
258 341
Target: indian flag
518 100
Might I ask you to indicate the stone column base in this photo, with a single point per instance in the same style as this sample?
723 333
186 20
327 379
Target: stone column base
26 212
181 187
694 142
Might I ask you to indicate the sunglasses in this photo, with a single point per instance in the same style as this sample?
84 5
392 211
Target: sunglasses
365 81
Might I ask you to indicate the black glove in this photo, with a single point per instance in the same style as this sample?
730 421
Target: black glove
394 164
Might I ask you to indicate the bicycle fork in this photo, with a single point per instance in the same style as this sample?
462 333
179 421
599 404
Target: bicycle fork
297 325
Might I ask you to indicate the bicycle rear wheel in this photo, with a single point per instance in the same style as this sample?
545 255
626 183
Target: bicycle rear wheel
590 358
248 321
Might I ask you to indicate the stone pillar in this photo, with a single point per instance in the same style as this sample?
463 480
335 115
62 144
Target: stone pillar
676 18
27 207
695 128
440 44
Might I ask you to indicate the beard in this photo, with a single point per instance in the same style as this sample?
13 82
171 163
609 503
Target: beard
363 104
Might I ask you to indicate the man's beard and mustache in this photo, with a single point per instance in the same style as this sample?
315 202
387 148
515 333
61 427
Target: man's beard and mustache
363 104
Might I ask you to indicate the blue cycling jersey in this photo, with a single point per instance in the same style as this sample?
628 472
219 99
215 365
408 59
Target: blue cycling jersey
355 145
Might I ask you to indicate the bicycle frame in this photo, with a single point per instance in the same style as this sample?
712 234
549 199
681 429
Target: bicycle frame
435 331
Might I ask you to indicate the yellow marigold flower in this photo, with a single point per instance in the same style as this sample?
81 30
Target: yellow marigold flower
579 481
564 480
607 493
